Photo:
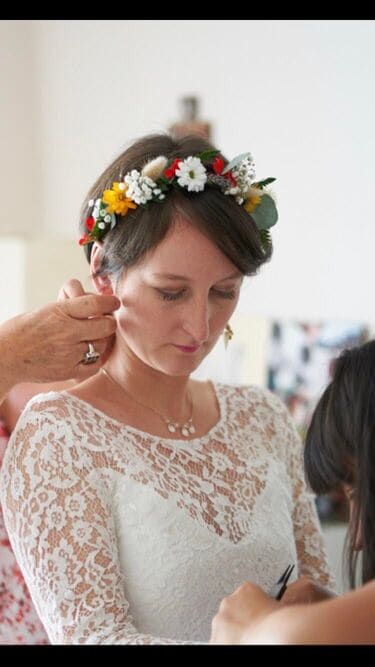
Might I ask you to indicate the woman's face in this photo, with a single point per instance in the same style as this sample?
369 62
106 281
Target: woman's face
177 301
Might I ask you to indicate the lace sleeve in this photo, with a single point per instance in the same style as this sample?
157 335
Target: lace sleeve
58 515
312 556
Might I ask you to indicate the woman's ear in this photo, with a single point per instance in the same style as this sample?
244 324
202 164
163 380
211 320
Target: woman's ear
102 284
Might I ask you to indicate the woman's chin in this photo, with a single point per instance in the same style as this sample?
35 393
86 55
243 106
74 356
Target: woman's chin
181 368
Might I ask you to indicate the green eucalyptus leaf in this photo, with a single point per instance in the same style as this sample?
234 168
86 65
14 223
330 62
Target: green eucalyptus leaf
265 214
265 239
236 160
262 184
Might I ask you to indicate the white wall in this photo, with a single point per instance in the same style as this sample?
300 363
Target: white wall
13 263
19 130
33 269
298 94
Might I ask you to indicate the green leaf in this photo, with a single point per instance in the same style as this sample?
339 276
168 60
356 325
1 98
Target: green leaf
236 160
262 184
265 214
208 155
265 239
163 183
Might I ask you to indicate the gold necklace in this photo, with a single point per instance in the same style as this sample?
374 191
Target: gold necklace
186 429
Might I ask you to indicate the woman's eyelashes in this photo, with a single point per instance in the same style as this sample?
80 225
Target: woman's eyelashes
166 295
170 296
224 294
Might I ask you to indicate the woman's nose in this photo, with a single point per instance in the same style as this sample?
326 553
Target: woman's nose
196 321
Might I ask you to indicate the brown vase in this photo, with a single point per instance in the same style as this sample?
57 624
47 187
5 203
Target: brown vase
190 123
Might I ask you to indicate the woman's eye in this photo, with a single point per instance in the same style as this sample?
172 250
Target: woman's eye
225 294
170 296
174 296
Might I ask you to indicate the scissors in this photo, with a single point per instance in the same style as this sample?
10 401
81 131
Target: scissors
277 591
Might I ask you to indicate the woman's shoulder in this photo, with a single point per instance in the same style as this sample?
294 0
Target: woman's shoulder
250 394
49 442
18 397
50 427
51 413
251 405
57 404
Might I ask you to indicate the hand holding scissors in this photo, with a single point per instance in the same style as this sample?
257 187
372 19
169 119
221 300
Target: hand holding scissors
277 591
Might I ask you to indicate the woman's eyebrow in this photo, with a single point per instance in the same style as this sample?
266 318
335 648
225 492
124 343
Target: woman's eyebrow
171 276
175 276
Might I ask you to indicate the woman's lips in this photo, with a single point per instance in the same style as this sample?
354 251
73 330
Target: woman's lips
188 348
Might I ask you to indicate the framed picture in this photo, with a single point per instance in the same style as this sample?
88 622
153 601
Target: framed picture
299 364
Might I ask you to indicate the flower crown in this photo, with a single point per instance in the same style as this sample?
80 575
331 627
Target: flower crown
160 175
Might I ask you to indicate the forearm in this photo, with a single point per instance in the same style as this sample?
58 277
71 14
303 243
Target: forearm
125 634
9 372
342 620
5 386
16 345
311 550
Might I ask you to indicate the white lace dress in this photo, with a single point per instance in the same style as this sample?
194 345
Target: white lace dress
124 537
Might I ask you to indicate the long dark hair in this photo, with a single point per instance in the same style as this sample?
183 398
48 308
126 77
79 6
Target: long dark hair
340 448
226 223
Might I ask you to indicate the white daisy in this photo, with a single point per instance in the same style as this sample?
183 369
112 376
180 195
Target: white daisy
192 174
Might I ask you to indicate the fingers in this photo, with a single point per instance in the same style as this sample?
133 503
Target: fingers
99 346
82 371
90 305
103 347
99 329
95 328
93 305
70 289
303 591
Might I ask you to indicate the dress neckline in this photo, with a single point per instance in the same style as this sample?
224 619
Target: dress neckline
216 386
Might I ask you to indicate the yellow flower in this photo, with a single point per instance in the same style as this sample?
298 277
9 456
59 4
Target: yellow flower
253 199
117 200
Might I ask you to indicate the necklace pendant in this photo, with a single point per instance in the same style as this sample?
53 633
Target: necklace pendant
185 430
171 427
191 429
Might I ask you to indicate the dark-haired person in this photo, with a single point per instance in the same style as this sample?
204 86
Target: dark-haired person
136 500
339 453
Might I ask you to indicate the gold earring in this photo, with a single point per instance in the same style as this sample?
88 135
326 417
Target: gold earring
227 335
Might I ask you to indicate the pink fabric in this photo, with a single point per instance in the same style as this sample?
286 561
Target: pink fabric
19 622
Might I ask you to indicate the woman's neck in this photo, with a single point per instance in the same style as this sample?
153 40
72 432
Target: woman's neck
165 393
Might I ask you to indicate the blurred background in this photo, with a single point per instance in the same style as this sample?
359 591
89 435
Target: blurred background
298 94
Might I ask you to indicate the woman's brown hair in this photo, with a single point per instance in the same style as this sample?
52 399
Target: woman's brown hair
218 216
